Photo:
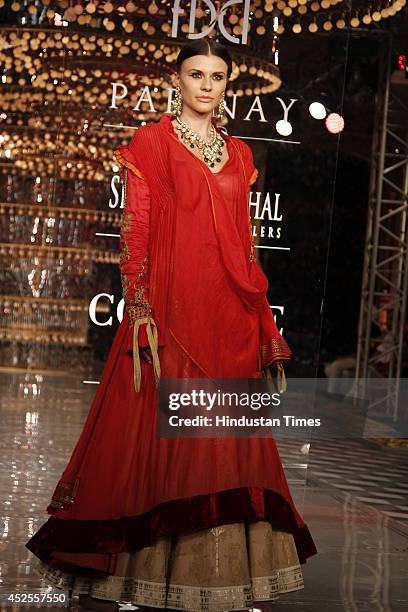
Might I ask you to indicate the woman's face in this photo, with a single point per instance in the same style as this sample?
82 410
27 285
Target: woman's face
202 76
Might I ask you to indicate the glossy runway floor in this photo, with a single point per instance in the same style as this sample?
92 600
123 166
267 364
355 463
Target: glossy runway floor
352 495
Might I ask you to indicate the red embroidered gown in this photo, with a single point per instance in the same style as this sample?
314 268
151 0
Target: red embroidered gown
188 524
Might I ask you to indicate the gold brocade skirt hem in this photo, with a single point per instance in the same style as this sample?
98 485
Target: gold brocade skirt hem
229 567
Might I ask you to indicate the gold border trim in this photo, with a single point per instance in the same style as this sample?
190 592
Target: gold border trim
254 177
127 164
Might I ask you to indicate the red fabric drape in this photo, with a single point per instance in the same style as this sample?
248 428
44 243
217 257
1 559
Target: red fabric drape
201 270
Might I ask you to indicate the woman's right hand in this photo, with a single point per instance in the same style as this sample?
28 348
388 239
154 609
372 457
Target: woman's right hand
146 354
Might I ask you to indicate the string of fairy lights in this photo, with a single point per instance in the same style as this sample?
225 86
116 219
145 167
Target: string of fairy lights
60 60
154 17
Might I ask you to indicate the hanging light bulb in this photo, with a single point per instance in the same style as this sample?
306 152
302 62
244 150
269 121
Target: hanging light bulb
283 127
317 110
334 123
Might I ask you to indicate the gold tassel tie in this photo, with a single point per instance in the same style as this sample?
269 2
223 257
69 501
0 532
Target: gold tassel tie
281 379
152 336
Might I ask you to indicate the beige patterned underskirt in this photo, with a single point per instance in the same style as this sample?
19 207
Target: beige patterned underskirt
229 567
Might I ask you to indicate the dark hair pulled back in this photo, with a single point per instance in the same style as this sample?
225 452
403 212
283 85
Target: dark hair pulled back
204 46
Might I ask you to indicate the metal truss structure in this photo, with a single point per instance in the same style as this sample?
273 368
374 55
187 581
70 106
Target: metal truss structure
385 273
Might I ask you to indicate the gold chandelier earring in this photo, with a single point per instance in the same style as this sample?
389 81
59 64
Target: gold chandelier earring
176 102
221 107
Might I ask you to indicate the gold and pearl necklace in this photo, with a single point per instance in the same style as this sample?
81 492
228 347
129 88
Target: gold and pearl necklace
210 150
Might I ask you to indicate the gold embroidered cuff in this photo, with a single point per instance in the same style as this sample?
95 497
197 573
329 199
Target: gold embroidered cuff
137 306
138 311
275 350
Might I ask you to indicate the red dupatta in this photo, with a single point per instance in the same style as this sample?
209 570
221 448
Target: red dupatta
207 292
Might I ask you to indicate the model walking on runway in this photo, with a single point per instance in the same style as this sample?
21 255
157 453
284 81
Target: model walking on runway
201 524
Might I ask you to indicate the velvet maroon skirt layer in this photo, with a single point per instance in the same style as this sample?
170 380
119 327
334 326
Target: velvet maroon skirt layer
123 487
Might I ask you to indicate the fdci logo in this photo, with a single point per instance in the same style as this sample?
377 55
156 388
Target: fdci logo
216 16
